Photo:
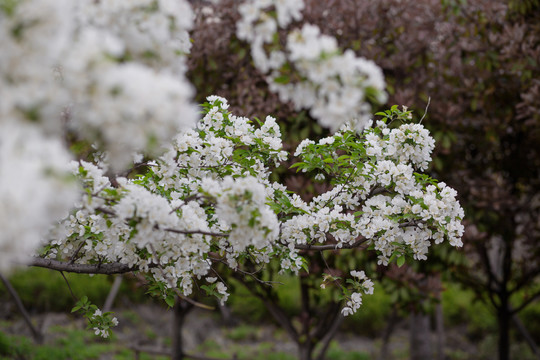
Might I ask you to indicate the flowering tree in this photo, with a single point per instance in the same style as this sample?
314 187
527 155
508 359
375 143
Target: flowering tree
204 199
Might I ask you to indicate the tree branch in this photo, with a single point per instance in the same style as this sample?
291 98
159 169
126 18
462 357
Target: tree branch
270 304
330 246
189 232
111 268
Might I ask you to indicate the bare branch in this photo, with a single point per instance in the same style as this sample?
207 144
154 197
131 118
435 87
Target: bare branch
193 302
425 111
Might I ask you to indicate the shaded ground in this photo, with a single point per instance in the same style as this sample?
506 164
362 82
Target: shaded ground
148 327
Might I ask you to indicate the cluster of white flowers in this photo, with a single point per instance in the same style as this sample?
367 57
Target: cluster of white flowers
208 200
402 212
110 71
241 208
152 32
354 300
318 224
311 71
103 331
125 74
34 35
407 144
32 167
201 190
100 62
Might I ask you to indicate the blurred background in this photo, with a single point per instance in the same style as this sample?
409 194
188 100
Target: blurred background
475 67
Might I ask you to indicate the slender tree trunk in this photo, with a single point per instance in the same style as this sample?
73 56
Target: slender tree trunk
439 318
503 311
334 327
305 350
420 337
305 341
388 330
439 325
181 309
504 317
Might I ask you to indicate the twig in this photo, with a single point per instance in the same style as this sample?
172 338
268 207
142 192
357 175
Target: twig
69 286
528 338
36 334
193 302
251 274
425 111
74 257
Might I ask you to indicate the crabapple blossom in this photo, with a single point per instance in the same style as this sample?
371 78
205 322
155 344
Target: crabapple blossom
32 167
82 69
208 200
310 70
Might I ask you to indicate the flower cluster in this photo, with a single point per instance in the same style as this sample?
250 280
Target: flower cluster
208 200
208 192
31 168
110 73
360 284
408 144
311 70
401 211
241 208
125 73
101 323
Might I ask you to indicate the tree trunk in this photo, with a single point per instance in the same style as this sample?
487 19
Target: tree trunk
305 350
332 330
388 330
420 337
305 341
439 325
181 309
439 318
504 317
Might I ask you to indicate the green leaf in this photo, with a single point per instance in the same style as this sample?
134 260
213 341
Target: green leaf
283 79
400 260
305 267
170 301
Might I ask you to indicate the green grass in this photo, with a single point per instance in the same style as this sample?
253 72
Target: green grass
336 353
243 332
43 290
71 344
